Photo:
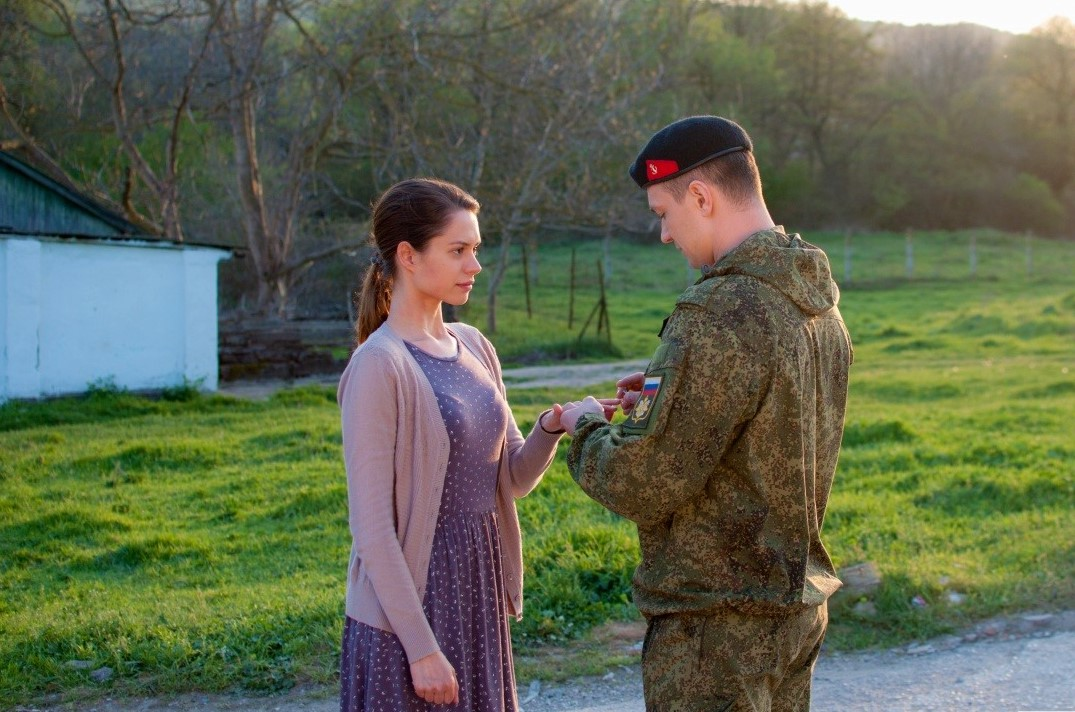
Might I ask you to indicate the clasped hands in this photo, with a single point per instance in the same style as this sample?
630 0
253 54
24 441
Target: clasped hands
566 416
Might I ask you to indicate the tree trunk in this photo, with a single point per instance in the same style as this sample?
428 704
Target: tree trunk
495 279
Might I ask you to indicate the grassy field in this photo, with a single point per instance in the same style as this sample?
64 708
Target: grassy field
199 542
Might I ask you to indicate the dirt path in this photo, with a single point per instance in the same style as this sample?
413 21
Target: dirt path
1023 662
574 375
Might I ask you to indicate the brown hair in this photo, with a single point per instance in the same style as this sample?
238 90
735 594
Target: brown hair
412 211
736 175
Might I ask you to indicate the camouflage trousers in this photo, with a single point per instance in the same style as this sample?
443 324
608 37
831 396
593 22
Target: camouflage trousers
730 661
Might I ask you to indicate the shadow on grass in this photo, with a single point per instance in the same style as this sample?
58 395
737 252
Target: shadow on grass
260 650
103 406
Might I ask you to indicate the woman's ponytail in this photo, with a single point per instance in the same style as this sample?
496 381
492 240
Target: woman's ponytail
374 300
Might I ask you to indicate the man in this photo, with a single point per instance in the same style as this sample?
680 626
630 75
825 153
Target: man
729 447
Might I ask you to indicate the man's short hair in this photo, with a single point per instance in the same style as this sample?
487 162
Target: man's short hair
735 175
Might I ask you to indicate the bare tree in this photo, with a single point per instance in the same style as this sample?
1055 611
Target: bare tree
287 81
1042 64
19 105
114 37
518 101
830 74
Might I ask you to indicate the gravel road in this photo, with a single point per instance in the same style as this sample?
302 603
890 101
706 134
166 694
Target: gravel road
577 375
574 375
1024 663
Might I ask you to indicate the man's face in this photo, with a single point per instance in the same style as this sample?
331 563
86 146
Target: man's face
680 224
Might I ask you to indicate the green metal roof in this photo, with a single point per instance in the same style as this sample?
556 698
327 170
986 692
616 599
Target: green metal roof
33 203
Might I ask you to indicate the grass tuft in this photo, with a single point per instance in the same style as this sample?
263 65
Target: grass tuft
883 431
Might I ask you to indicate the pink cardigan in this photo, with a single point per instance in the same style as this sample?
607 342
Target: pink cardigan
395 449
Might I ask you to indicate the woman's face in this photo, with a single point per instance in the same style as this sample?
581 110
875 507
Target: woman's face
446 268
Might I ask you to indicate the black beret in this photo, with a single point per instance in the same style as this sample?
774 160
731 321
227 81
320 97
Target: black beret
686 144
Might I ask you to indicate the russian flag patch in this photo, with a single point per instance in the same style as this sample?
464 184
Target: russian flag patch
641 412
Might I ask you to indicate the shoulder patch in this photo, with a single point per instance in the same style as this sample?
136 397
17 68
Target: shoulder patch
644 407
647 416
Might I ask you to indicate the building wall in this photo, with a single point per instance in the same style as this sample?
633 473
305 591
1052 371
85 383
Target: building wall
141 315
4 280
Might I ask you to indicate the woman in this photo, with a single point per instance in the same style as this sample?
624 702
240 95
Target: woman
434 462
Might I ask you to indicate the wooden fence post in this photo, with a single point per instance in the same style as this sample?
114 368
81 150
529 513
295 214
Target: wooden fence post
847 255
602 317
1029 255
973 255
526 280
571 292
909 261
600 310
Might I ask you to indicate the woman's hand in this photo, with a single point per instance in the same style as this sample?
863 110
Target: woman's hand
434 679
550 419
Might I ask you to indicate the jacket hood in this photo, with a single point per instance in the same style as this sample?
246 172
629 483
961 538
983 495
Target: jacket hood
787 263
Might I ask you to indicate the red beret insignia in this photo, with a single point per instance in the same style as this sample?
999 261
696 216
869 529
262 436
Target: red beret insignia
657 169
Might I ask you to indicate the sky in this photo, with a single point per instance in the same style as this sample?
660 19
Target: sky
1018 16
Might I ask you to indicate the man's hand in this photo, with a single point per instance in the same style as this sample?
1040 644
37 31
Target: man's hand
574 410
628 390
434 679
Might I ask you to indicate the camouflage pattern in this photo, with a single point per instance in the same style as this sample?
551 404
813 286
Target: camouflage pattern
727 472
730 661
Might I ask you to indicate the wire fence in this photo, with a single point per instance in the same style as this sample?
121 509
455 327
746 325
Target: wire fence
562 291
864 259
966 255
614 294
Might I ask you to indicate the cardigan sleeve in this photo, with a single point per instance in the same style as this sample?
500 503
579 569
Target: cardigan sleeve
528 457
369 410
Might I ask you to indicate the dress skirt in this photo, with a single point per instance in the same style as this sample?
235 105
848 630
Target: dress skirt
463 603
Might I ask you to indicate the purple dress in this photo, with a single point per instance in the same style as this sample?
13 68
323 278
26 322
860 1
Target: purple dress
465 598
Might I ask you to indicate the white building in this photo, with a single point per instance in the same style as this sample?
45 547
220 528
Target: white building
85 299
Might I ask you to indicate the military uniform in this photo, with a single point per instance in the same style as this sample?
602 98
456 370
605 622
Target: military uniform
725 465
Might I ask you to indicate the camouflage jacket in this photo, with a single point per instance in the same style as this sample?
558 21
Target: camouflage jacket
726 461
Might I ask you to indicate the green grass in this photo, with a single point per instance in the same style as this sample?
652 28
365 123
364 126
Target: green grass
197 542
184 544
